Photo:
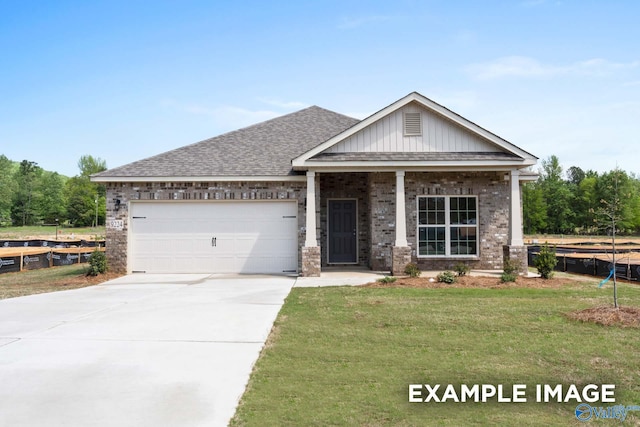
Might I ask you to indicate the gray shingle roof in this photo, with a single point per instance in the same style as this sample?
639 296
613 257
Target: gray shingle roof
263 149
416 157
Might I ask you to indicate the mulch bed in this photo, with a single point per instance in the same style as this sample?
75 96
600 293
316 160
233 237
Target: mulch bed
626 317
475 282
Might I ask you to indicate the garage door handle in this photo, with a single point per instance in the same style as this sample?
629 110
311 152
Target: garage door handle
214 241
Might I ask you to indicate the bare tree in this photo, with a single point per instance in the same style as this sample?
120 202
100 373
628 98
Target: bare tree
611 213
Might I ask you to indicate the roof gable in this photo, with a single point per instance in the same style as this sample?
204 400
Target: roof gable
443 131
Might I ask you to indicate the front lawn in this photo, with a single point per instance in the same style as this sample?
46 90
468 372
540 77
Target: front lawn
346 355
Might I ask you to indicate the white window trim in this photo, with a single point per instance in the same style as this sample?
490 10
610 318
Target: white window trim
447 227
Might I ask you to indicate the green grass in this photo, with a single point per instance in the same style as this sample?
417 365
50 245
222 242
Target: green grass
346 355
43 280
47 230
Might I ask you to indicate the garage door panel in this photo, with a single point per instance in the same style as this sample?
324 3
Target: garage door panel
237 237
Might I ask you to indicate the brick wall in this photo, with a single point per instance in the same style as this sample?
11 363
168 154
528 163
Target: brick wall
376 210
116 240
493 205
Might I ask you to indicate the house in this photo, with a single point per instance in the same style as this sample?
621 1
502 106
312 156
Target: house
414 182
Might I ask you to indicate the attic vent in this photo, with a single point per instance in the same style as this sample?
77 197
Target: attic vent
412 124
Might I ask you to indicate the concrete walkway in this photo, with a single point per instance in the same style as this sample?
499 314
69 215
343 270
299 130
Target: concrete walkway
142 350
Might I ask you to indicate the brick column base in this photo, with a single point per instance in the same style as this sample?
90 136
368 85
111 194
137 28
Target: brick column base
400 257
517 254
311 261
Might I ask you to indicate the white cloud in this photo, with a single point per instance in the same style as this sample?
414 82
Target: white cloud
523 66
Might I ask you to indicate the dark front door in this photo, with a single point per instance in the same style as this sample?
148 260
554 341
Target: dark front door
342 231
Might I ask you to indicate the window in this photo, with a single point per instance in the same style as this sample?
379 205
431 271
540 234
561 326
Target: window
447 226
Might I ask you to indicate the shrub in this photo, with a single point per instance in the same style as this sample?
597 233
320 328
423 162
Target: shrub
387 279
510 270
97 263
508 277
447 277
412 270
461 268
546 261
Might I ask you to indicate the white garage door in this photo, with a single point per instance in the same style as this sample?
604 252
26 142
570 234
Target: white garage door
214 237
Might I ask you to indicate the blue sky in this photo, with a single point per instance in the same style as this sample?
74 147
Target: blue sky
124 80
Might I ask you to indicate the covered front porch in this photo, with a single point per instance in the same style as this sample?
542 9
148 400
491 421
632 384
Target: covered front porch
378 220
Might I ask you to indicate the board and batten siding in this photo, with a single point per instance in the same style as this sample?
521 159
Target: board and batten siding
438 135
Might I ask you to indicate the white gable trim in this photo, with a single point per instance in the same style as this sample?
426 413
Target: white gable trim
426 103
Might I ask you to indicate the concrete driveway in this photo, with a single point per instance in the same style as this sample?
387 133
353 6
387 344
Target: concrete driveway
142 350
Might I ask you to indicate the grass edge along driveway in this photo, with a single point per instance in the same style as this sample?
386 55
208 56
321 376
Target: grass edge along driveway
346 355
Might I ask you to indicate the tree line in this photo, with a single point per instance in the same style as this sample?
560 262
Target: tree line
30 195
557 203
576 201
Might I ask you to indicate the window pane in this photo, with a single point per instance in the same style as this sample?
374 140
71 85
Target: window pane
463 241
422 218
454 203
431 241
454 218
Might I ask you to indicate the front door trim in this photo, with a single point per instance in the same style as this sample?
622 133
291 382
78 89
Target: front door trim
357 249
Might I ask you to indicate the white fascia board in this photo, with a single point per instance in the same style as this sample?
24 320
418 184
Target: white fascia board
416 166
529 177
301 178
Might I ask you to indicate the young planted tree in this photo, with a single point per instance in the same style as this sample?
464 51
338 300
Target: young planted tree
614 211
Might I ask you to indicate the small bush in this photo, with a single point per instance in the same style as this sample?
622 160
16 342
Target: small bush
412 270
461 269
511 266
546 261
97 263
387 279
510 270
447 277
508 277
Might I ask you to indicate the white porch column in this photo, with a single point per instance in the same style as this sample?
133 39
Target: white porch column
401 217
311 240
516 237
